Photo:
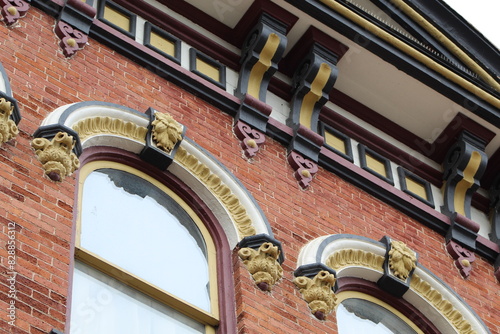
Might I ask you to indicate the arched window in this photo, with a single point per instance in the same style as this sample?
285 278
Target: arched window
361 313
145 262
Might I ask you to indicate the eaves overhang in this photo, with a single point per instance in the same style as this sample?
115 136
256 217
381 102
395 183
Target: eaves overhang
481 101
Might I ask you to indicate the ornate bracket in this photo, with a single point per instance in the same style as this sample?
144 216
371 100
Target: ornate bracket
13 10
316 283
262 256
73 26
304 169
56 154
261 52
464 166
463 257
495 210
312 82
251 139
399 264
163 139
250 124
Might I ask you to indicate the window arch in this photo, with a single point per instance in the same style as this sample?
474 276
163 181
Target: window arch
360 263
363 313
143 237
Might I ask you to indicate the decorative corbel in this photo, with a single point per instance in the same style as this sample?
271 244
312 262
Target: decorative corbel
263 257
8 127
261 52
73 26
312 82
462 256
317 284
304 169
13 10
58 149
495 210
9 110
399 264
163 139
464 166
251 123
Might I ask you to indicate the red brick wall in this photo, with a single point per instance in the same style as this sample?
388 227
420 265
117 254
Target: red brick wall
42 80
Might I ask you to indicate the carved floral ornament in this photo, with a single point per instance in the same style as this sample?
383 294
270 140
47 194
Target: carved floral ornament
318 293
56 155
263 265
402 260
166 131
8 128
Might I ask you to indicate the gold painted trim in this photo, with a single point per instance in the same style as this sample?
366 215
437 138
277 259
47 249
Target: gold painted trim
313 96
145 287
359 295
355 257
372 28
466 182
164 297
230 201
264 63
452 47
90 127
444 307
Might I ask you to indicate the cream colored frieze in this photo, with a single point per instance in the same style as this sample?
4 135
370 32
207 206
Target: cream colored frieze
166 131
56 155
318 293
263 265
8 128
94 126
222 191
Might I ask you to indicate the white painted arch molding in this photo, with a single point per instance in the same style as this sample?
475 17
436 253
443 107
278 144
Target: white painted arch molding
360 257
107 124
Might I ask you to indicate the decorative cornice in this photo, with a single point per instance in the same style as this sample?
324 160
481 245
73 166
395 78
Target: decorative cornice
223 192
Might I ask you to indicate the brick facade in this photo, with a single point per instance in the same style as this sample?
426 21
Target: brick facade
43 211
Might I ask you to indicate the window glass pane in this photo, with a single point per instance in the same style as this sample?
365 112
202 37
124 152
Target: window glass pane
361 316
135 225
101 304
